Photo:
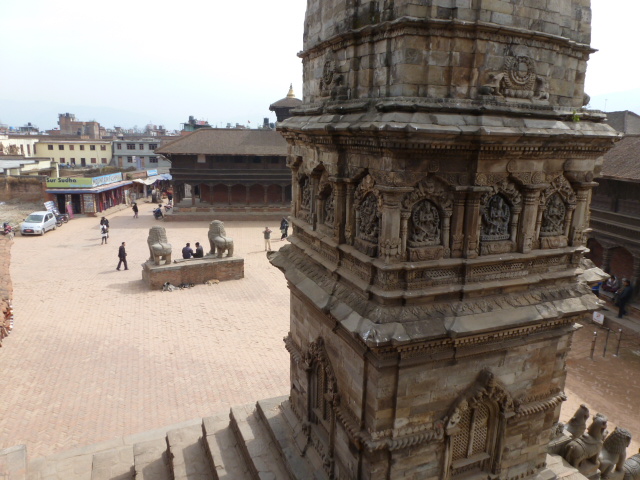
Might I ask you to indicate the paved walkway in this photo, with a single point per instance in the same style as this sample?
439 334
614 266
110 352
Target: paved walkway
95 355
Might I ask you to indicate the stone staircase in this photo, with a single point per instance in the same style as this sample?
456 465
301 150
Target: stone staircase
249 443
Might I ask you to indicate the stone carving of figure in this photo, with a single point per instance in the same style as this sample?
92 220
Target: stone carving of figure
218 240
587 447
329 210
159 246
578 423
426 224
632 468
306 194
369 221
614 452
553 216
495 219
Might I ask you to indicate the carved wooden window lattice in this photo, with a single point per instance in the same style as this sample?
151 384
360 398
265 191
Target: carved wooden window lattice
470 446
425 225
320 396
496 217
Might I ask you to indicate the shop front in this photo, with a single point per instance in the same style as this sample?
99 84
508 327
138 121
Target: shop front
90 196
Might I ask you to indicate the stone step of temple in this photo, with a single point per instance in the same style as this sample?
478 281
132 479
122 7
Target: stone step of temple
272 413
151 460
221 446
188 458
256 445
13 463
114 464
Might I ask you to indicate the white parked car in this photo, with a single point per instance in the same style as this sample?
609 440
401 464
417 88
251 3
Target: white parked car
38 223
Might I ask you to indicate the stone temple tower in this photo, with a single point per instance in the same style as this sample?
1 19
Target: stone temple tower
442 170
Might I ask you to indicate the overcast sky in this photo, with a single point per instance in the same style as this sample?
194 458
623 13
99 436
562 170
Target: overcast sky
155 61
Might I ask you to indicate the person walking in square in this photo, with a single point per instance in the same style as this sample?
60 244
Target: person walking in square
104 231
122 255
135 210
105 223
267 239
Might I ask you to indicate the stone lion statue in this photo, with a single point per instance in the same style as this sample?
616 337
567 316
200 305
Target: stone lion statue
614 452
632 467
578 423
218 240
159 247
587 447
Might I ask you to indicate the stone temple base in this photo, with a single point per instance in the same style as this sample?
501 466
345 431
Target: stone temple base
196 271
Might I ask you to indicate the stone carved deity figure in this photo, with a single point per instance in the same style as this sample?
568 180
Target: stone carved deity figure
632 467
369 224
159 246
305 187
426 224
553 216
495 219
218 240
587 447
614 452
329 210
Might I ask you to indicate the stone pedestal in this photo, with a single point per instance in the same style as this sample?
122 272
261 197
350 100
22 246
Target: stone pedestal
196 271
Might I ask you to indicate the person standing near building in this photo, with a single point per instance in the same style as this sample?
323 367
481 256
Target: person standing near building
122 255
284 226
267 239
187 252
135 210
624 295
105 222
199 251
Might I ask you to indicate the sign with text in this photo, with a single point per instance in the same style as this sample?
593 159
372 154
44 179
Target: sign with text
83 182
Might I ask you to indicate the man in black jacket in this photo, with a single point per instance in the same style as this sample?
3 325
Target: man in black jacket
624 295
122 255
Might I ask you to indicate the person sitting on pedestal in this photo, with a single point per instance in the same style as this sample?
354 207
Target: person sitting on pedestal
187 252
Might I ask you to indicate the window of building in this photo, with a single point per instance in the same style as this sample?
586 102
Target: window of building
257 160
238 160
61 159
94 160
142 146
131 146
73 161
81 147
92 147
153 146
50 147
103 147
60 147
104 160
153 159
120 159
130 159
119 146
275 160
72 147
29 149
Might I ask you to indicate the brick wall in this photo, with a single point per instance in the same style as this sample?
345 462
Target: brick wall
193 271
26 189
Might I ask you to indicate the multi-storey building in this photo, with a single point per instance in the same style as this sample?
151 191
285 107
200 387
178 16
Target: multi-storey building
81 153
138 152
23 145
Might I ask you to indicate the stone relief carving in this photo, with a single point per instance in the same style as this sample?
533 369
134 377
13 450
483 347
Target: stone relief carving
578 423
369 220
495 219
329 208
425 225
159 247
632 467
517 79
553 217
